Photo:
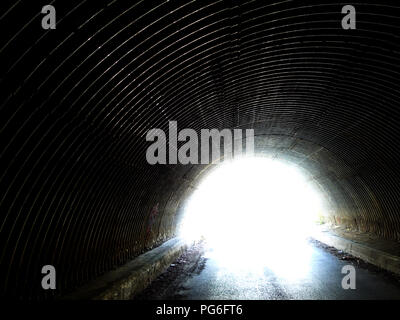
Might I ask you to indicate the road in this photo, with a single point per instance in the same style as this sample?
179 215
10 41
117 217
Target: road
315 272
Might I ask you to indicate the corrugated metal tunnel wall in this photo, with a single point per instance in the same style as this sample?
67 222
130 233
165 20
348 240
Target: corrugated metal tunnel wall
76 104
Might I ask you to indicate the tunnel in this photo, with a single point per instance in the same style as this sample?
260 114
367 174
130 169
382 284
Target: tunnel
77 102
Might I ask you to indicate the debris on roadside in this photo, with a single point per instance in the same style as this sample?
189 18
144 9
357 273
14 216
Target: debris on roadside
341 255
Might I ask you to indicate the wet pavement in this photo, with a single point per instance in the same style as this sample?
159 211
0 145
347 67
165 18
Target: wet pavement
315 272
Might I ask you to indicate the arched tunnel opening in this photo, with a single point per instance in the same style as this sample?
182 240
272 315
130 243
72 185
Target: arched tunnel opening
77 103
255 212
247 205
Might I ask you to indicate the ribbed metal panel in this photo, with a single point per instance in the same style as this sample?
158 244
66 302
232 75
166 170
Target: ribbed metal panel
76 102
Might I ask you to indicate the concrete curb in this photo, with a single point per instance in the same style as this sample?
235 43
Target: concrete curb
374 256
128 280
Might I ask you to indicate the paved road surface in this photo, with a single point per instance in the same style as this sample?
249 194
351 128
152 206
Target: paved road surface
310 272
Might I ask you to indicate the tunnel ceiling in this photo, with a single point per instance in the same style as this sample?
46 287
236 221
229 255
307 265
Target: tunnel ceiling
77 102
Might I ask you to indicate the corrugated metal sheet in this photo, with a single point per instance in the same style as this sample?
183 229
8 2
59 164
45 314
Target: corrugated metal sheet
76 102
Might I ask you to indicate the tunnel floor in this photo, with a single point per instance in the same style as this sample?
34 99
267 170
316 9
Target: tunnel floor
197 275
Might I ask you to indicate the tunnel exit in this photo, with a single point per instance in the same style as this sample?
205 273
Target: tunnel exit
114 116
259 208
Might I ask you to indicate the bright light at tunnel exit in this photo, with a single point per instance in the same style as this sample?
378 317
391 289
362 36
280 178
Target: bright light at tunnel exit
255 212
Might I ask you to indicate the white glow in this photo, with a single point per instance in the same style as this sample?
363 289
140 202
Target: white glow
255 212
